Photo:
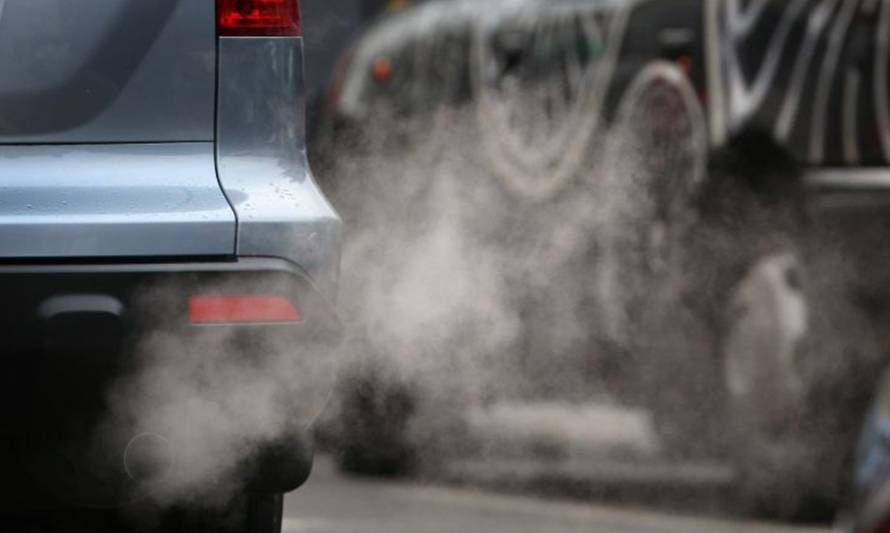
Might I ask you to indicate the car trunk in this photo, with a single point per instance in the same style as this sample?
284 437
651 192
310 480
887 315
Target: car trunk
107 112
106 71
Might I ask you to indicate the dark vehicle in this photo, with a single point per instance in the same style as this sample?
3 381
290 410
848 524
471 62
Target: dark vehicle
734 156
158 225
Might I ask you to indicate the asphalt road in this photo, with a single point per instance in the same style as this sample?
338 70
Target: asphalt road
332 503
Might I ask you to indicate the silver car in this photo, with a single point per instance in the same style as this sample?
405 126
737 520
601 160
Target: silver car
154 192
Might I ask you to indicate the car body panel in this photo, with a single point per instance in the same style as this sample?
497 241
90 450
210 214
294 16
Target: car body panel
811 75
112 200
449 32
106 71
814 75
261 158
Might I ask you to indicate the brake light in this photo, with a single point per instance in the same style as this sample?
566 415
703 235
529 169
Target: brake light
233 309
258 17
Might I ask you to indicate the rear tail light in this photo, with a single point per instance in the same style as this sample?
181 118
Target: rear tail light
243 309
258 17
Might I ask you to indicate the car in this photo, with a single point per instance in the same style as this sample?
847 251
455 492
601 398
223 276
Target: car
697 189
168 262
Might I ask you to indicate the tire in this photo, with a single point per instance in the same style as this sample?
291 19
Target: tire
797 387
791 437
722 288
763 318
763 379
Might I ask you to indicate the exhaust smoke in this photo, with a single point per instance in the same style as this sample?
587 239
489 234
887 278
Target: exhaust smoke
458 289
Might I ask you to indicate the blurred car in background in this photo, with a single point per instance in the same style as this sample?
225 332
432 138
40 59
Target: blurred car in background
730 159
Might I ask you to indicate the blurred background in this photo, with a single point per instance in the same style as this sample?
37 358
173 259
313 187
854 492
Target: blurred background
609 265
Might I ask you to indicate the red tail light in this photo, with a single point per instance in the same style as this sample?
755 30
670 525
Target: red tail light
258 17
252 308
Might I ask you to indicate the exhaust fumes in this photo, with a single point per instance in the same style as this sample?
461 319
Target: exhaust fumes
511 235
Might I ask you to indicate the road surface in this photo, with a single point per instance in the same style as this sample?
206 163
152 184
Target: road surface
332 503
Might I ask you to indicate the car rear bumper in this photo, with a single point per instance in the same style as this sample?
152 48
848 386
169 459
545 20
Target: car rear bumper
82 343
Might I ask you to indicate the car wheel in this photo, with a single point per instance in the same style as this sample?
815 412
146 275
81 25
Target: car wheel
756 361
794 349
749 362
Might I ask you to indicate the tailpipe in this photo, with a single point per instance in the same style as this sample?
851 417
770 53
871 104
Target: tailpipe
148 457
